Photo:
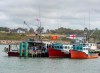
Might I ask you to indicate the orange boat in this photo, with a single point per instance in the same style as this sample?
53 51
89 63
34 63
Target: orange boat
82 51
82 55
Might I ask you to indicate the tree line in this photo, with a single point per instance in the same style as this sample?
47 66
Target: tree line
61 30
31 30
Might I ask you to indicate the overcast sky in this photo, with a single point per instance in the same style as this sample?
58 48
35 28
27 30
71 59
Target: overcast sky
53 14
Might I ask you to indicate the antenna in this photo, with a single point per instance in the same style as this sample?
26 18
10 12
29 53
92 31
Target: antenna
84 22
89 23
88 28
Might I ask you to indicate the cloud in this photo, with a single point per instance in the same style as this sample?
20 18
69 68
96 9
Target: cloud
53 13
3 16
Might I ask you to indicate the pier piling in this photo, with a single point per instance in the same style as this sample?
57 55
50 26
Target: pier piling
25 49
21 49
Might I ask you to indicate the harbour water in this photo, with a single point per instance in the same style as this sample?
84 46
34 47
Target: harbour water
46 65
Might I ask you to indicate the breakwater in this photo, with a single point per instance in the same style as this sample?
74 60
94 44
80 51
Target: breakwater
9 42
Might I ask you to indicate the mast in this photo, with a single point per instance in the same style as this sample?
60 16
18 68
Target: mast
88 33
87 30
89 22
39 23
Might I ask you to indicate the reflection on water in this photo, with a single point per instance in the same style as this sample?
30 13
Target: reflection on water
47 65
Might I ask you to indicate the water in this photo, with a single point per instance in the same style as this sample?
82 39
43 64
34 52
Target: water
46 65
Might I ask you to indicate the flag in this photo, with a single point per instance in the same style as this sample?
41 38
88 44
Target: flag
54 37
72 36
37 19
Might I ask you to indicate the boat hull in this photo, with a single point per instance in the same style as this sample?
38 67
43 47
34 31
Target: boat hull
13 54
53 53
82 55
16 54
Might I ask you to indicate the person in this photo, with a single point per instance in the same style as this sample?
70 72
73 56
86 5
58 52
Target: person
9 48
6 49
35 47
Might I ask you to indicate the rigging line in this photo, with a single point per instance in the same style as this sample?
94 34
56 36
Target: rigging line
26 24
92 33
33 24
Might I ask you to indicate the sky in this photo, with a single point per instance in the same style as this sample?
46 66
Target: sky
52 14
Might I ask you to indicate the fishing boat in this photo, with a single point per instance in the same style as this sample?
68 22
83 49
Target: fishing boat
28 48
83 51
12 50
58 50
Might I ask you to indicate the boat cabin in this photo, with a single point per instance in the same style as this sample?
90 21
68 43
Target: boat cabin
93 46
66 47
57 46
81 47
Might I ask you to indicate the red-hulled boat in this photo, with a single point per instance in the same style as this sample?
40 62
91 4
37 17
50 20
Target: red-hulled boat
82 51
28 48
59 50
53 53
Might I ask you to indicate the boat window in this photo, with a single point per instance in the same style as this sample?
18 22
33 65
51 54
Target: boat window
74 47
61 47
84 44
65 47
52 46
57 46
68 47
49 46
87 44
85 48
